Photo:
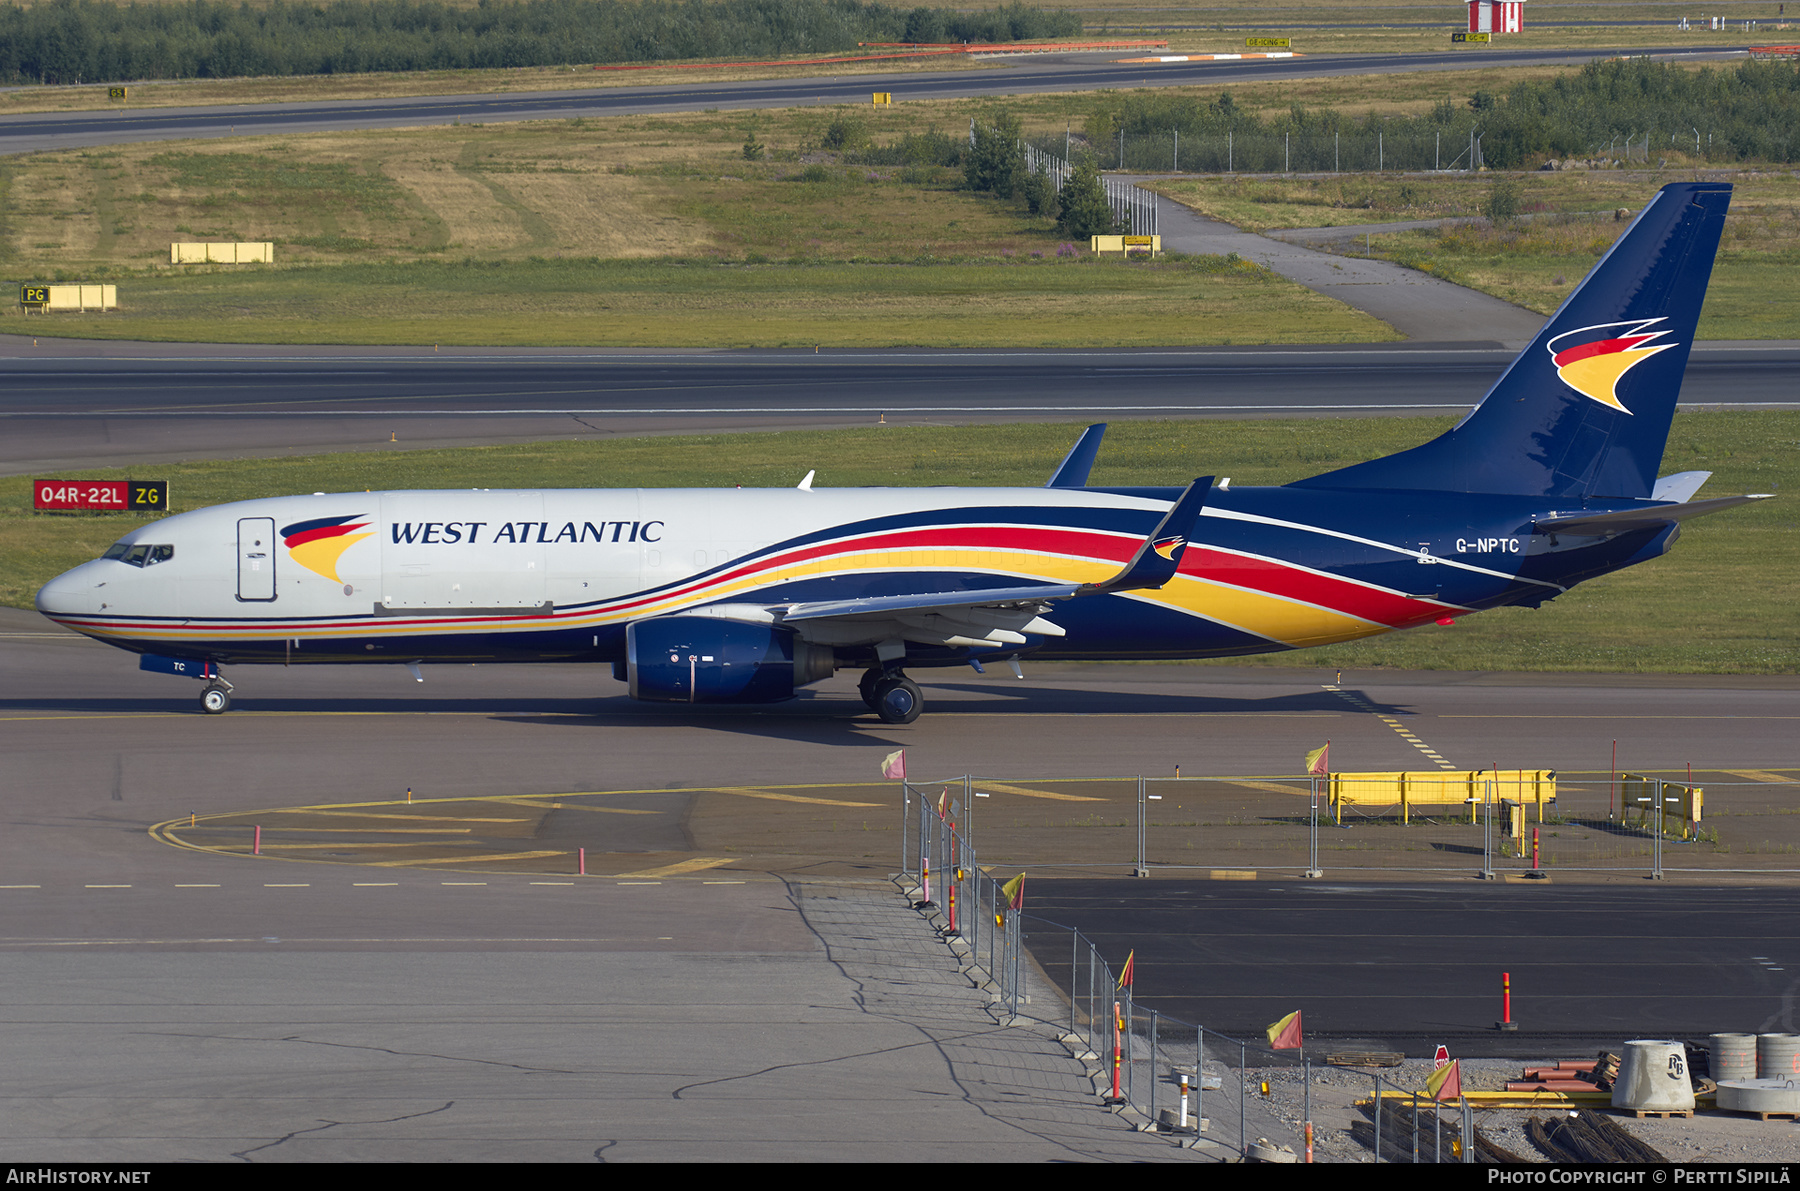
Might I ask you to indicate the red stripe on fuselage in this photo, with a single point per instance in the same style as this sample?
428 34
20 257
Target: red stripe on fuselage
1291 582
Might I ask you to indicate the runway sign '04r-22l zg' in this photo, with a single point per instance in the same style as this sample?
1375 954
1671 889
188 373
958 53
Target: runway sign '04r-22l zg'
734 596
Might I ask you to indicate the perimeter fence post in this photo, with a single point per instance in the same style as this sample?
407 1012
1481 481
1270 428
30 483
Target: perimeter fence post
1074 966
1243 1093
1199 1077
968 809
1018 920
1153 1039
905 822
1378 1120
1142 868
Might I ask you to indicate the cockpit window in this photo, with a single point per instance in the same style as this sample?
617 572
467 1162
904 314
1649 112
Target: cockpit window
139 555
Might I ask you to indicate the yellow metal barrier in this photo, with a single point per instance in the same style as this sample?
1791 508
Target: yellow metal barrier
1684 804
69 297
1125 244
882 98
258 252
1439 789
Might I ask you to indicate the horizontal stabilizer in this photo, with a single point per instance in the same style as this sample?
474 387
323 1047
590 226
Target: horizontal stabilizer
1649 517
1681 486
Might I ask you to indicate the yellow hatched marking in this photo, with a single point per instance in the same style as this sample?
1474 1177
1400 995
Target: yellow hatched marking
675 870
772 797
1233 874
992 788
1760 775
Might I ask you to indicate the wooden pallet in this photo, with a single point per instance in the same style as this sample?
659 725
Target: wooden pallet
1659 1113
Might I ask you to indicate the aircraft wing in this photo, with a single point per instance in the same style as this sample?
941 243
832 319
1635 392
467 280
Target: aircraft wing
1625 520
997 616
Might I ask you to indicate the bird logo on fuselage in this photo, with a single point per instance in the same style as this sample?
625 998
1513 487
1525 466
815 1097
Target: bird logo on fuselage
317 545
1597 358
1168 546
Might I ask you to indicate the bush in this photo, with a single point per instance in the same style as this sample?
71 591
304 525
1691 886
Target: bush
1082 200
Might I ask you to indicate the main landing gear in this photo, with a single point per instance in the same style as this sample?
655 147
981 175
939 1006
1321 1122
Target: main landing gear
216 698
891 695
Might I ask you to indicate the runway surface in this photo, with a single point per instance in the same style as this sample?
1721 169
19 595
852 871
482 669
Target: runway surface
134 403
1020 76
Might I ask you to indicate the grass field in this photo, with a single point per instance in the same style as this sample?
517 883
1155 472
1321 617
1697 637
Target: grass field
1569 222
1726 600
595 231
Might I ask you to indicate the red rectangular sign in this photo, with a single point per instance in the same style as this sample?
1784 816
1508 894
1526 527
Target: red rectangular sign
79 494
102 495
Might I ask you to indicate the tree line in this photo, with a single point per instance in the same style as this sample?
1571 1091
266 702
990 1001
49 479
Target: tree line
1748 112
92 41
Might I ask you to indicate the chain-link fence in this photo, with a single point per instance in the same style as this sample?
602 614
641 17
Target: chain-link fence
1257 152
1176 1076
1483 822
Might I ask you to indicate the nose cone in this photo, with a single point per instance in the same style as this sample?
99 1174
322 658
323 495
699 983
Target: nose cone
76 592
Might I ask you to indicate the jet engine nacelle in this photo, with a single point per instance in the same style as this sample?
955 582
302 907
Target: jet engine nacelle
703 659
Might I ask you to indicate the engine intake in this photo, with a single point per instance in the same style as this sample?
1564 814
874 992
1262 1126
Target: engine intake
703 659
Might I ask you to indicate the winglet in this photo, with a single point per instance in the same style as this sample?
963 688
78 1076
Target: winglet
1073 473
1157 560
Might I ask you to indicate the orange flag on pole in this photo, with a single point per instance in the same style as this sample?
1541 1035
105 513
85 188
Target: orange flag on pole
1446 1082
1285 1034
894 765
1014 892
1318 762
1126 973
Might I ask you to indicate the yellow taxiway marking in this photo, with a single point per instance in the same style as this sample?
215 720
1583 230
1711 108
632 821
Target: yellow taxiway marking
1233 874
364 830
1760 775
747 792
244 849
1271 787
676 870
1023 792
307 810
557 806
470 859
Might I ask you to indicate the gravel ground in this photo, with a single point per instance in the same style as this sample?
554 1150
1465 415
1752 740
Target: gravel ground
1710 1137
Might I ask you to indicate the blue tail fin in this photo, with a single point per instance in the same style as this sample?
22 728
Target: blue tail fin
1585 410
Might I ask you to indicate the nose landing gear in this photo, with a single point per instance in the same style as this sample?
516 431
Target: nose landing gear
216 698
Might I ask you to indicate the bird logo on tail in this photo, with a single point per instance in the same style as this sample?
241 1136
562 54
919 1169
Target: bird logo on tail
1596 358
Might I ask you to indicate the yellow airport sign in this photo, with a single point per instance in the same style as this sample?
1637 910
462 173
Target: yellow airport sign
115 93
882 97
1470 36
1268 43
